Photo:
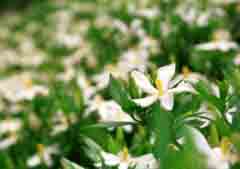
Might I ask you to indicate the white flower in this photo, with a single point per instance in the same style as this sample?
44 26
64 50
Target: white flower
9 141
217 158
148 13
110 111
124 160
86 88
222 45
10 125
164 87
43 156
236 60
221 42
189 76
20 87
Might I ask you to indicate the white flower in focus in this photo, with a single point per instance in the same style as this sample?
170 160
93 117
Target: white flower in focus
164 89
43 156
124 160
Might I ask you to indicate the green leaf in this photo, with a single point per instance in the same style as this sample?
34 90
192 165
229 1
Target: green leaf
214 136
160 122
120 95
107 125
70 165
193 152
205 94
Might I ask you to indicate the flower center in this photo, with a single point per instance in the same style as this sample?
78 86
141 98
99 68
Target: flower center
225 145
28 83
124 155
186 71
159 85
40 149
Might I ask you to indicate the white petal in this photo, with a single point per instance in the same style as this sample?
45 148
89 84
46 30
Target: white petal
147 101
183 87
123 166
110 159
143 82
33 161
146 162
165 74
167 101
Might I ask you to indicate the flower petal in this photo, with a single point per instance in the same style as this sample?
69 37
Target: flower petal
167 101
143 82
147 101
110 159
165 74
183 87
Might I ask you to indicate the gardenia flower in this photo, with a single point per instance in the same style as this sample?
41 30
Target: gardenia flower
8 141
43 156
218 157
222 45
110 111
164 89
221 42
124 160
20 87
10 125
189 76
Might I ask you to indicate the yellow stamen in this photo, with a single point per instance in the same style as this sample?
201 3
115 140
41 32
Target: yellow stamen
186 71
110 68
225 145
125 154
40 149
159 86
28 83
99 99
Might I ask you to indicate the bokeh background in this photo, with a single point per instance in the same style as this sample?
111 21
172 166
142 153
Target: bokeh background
55 56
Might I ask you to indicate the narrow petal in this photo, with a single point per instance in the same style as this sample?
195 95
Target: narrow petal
143 82
183 87
165 74
147 101
167 101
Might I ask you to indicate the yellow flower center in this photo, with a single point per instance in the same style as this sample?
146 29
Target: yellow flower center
40 149
125 154
186 71
159 85
28 83
225 145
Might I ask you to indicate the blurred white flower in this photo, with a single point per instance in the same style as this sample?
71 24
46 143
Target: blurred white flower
218 157
221 42
8 141
148 13
44 155
124 160
10 125
20 87
87 89
223 46
164 88
109 111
